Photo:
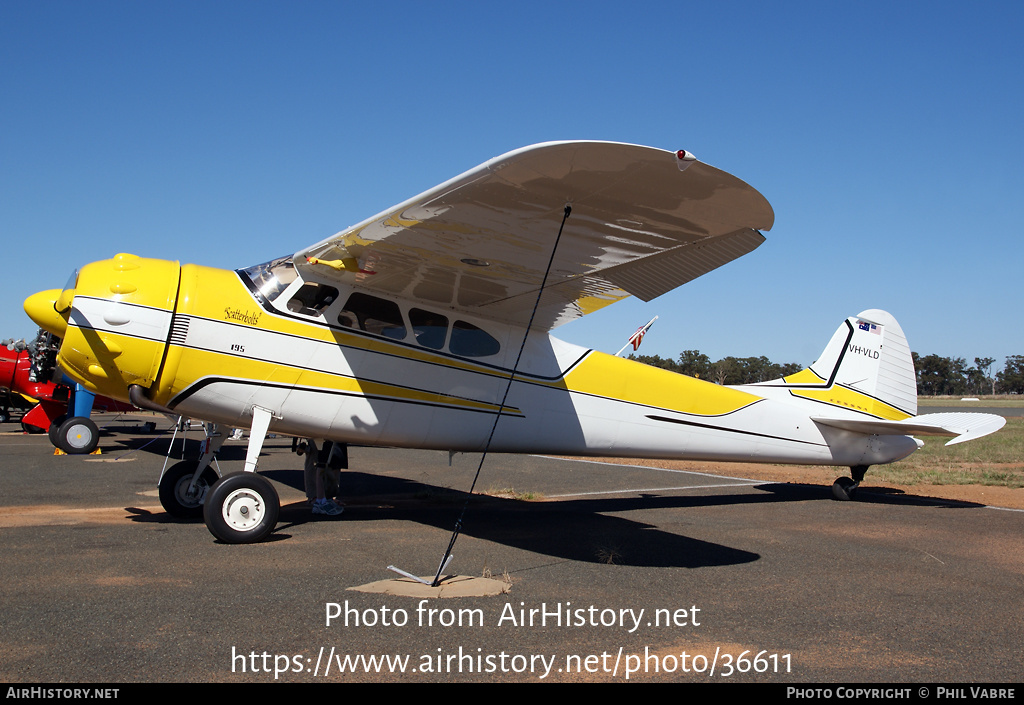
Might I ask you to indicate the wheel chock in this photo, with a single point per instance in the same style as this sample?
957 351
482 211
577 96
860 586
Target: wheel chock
58 451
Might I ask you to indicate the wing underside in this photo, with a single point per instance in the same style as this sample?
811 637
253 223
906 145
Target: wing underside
643 221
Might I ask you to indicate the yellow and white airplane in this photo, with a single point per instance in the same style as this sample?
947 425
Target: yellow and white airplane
427 326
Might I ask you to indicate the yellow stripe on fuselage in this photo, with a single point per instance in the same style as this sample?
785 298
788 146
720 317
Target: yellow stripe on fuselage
613 377
847 398
195 365
840 396
807 376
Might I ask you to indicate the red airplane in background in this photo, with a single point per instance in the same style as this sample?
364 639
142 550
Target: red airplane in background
29 371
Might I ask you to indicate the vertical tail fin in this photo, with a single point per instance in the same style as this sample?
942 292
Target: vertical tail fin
866 367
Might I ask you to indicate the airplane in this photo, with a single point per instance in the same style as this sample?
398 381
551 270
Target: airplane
61 408
429 326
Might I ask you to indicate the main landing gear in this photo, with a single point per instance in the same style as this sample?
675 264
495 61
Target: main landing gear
183 488
237 508
845 488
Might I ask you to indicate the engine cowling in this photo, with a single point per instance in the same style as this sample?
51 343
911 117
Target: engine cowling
115 319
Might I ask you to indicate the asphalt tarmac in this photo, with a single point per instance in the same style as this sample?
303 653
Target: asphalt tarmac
616 573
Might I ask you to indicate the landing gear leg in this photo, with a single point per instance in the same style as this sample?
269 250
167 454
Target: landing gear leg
257 434
243 507
845 488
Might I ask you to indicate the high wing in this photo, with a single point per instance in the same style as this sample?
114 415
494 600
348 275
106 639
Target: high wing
643 221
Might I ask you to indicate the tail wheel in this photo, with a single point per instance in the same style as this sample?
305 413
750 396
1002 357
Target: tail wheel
844 488
77 435
175 495
241 508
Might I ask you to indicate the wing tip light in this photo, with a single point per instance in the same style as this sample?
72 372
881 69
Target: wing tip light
684 159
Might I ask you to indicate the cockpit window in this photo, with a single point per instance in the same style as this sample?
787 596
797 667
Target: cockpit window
374 315
273 277
312 299
369 313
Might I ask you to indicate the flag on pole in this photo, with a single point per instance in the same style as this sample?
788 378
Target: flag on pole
638 337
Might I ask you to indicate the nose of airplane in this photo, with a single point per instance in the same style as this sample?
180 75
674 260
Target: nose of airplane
42 309
113 317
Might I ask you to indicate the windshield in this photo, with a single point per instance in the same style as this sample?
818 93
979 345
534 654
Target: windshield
273 277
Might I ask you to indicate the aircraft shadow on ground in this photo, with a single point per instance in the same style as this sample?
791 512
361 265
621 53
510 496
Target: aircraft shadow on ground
572 529
868 494
575 529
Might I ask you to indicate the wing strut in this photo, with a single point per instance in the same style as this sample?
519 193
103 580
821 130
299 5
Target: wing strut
446 559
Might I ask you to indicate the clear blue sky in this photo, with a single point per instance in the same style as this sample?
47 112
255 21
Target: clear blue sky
887 136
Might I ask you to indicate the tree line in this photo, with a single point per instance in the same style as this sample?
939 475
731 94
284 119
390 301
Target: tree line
952 375
728 370
936 375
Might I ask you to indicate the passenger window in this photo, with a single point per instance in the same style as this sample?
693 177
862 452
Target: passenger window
429 328
373 315
312 299
470 341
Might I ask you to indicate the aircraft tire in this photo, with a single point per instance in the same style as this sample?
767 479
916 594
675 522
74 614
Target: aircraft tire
241 508
174 489
78 435
54 428
29 428
844 489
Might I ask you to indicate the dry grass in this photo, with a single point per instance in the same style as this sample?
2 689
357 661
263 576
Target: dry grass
512 493
995 460
608 555
1005 401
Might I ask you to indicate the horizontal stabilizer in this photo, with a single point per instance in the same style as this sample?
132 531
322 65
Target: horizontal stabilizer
965 426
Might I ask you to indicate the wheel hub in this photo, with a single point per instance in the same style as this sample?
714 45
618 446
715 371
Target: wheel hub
191 496
79 437
243 509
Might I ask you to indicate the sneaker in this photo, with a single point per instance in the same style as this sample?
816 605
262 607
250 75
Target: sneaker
327 507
